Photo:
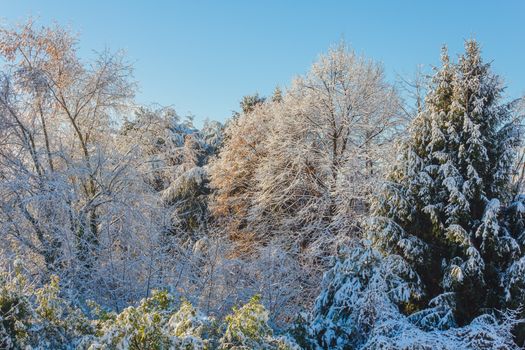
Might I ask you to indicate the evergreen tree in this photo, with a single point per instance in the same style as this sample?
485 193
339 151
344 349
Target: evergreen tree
277 94
443 205
249 103
446 208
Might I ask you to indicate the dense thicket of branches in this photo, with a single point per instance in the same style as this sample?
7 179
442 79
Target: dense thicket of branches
103 203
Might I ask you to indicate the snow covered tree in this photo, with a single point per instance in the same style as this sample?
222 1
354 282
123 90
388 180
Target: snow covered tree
250 102
296 170
57 114
172 155
326 147
73 202
213 134
519 173
443 209
313 152
233 172
446 212
277 95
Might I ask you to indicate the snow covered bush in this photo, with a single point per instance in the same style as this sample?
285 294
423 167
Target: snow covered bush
359 308
156 324
141 327
247 328
37 317
359 292
193 330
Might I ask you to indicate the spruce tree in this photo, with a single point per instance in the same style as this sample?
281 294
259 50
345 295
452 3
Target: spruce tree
445 223
443 208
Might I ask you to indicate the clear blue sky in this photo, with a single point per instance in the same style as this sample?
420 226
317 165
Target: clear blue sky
202 56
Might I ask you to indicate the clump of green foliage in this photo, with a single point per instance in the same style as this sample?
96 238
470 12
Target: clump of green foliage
38 317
